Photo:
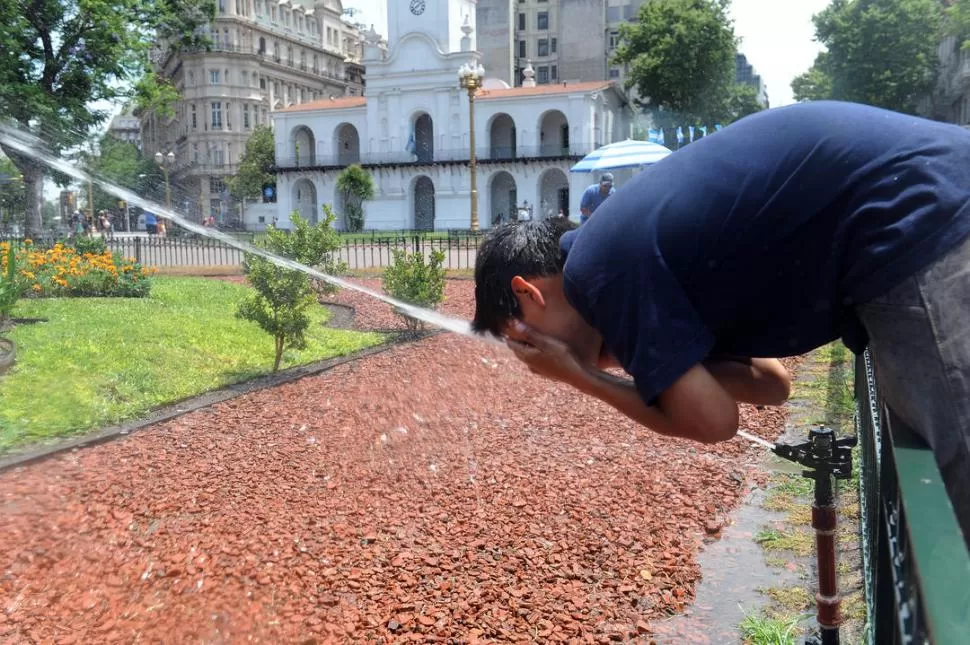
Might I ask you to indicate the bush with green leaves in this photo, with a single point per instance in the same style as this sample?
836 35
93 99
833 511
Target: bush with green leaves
12 284
417 281
283 296
93 245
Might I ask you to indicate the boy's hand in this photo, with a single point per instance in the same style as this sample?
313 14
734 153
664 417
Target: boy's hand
544 355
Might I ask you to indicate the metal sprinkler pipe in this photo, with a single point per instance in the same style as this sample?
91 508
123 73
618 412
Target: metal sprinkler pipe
828 460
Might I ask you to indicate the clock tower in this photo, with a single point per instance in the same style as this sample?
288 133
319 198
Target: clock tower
441 20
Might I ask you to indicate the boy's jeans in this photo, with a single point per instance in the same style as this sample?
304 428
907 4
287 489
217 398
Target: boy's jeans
919 337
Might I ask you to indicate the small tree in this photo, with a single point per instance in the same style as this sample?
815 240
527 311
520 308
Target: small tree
414 281
356 186
316 246
283 296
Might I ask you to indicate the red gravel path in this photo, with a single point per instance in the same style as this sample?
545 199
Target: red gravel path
433 493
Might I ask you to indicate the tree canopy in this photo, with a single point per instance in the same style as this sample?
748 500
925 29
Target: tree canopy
681 55
70 54
878 52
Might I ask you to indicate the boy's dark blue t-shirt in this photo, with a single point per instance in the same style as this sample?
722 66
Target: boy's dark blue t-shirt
759 240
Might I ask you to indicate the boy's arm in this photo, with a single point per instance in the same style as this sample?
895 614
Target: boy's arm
695 407
701 405
759 381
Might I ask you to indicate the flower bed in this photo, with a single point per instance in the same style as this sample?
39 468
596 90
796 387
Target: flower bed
63 271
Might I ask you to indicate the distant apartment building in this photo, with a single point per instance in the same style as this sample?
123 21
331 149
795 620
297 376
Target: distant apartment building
266 55
126 127
565 40
745 74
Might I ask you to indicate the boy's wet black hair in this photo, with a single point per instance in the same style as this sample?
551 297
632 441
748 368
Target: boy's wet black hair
528 249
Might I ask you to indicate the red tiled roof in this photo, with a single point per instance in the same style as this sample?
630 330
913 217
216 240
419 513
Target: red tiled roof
548 88
343 102
328 104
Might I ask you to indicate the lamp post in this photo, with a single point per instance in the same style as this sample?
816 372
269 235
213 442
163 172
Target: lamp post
163 162
470 78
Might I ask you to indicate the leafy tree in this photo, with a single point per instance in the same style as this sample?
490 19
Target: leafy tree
61 56
256 165
356 186
879 52
815 84
283 296
742 101
412 280
681 57
122 163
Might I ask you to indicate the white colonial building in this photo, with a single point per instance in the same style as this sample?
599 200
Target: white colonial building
410 131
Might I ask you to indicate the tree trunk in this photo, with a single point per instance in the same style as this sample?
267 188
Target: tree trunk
33 173
34 185
279 353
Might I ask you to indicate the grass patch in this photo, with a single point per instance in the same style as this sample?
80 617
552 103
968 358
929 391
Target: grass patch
829 387
794 485
799 542
791 599
854 606
106 360
761 630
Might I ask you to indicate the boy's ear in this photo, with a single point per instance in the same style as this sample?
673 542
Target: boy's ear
528 294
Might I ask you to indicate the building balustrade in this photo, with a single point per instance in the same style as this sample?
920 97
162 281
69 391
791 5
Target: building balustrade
484 154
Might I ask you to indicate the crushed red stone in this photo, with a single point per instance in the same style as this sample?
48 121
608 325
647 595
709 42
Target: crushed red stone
436 492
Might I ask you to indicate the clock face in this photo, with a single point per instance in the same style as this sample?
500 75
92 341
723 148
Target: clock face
417 7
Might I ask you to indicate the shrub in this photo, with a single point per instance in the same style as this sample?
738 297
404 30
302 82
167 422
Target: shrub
414 281
63 271
92 245
282 296
313 245
11 282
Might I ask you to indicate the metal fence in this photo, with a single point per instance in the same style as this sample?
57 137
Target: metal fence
358 252
915 561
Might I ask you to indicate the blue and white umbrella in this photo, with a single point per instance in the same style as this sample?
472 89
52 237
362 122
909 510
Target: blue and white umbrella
623 154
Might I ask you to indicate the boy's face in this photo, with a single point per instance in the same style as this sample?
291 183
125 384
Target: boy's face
546 310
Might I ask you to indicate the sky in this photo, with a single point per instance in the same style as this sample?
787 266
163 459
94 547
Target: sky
777 36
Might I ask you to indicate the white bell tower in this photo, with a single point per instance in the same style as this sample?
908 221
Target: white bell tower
441 20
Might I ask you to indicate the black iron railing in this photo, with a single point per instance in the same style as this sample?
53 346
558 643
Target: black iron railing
915 560
367 250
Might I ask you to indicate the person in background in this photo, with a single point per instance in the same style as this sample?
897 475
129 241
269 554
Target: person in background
595 195
151 223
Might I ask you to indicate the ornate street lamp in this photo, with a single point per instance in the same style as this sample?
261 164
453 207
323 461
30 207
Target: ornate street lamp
163 162
470 78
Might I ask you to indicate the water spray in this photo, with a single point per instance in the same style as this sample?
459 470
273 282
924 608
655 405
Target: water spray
31 146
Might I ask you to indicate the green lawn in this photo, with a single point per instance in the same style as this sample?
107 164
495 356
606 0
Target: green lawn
104 360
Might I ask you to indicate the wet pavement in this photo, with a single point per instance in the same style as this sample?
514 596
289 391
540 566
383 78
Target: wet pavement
733 569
